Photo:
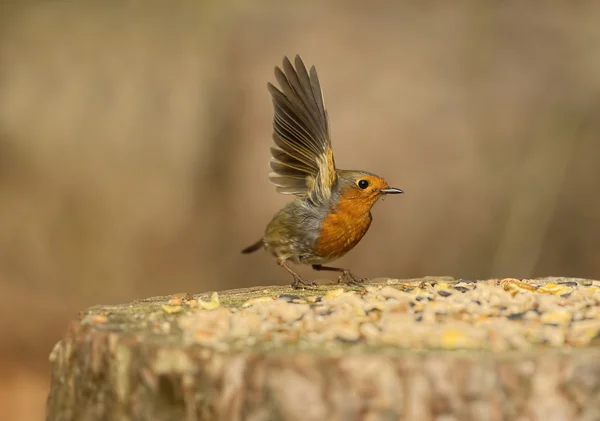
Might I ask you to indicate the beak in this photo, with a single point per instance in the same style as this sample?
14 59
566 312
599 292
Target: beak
391 190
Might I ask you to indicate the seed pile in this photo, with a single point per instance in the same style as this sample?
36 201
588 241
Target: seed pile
495 315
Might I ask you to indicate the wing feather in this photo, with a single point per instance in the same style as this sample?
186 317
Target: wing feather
302 159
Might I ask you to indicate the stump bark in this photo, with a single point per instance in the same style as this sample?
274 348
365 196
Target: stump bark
153 359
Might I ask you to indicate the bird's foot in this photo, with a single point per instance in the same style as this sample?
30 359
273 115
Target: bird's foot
299 283
349 278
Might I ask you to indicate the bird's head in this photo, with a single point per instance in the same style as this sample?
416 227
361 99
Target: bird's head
363 187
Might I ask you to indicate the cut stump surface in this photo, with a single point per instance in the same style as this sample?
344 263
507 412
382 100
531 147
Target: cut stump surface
431 349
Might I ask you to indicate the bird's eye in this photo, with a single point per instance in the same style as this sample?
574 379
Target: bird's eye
363 184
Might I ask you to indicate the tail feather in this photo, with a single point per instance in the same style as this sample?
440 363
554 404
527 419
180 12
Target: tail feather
260 243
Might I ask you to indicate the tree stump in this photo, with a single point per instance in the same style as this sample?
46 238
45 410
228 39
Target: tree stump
432 349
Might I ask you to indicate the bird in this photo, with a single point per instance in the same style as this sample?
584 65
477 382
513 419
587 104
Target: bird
332 209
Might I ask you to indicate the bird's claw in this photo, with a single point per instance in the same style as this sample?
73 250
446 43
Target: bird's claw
299 283
349 278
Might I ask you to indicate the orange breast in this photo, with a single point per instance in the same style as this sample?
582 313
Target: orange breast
343 229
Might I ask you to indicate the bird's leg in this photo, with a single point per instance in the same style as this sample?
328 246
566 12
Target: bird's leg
346 277
297 278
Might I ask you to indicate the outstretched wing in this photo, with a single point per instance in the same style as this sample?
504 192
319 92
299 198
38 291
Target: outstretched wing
302 159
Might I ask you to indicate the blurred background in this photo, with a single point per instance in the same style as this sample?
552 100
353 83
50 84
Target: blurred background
134 148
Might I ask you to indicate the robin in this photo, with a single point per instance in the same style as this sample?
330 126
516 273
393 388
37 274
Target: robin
333 209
